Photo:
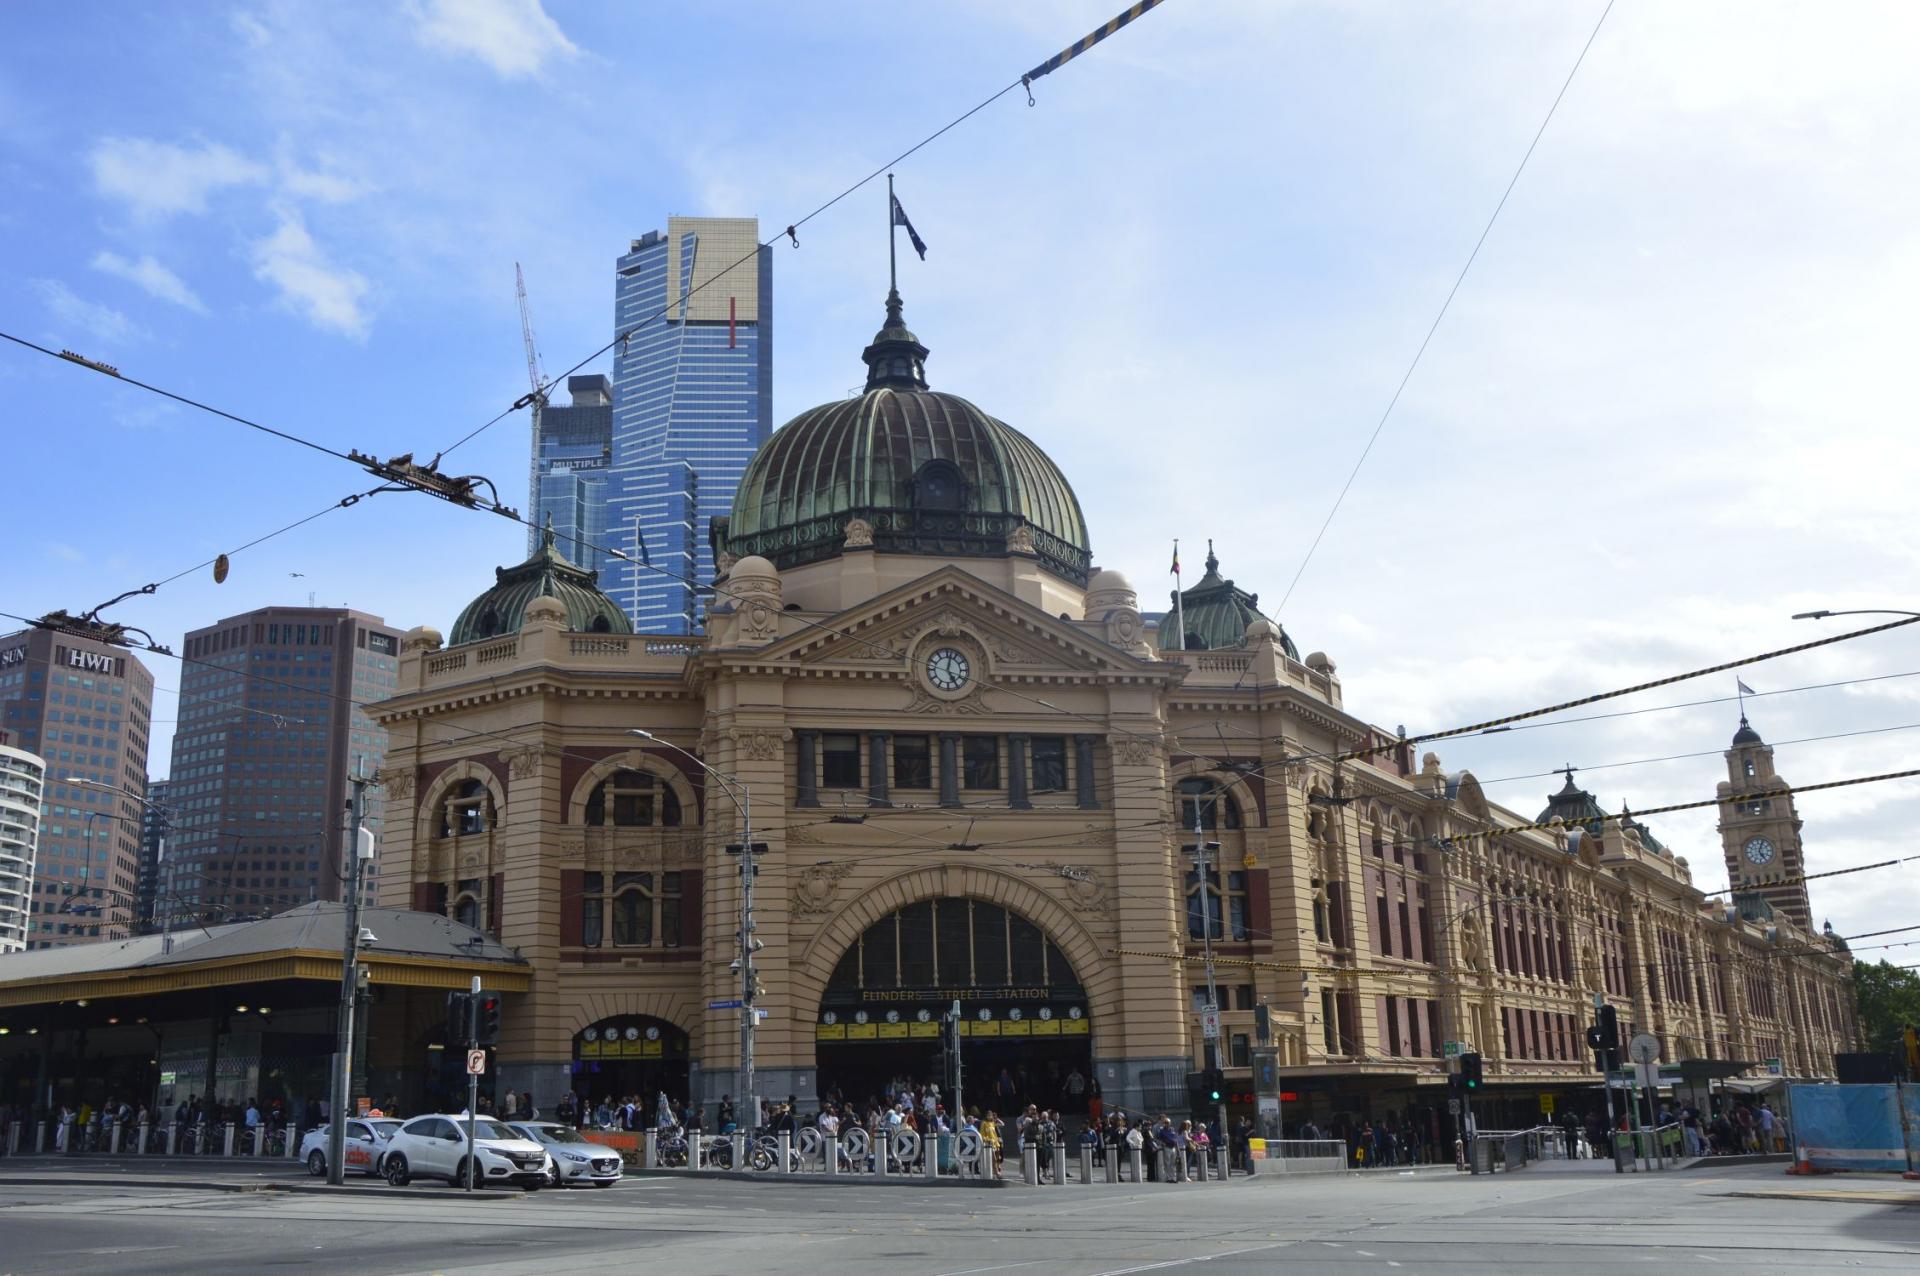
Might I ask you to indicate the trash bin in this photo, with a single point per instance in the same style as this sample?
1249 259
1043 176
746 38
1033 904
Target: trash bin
945 1151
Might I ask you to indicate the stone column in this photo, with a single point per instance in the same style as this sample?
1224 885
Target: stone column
877 769
949 768
806 778
1088 799
1017 773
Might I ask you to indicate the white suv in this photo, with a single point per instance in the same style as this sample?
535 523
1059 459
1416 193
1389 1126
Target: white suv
436 1147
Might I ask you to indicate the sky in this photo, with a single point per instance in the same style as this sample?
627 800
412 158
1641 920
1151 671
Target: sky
1666 410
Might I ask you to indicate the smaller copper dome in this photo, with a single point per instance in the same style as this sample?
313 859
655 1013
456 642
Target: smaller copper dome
546 574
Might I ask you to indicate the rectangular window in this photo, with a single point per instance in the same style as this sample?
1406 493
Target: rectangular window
1049 763
632 910
840 761
980 767
670 910
912 762
1239 1051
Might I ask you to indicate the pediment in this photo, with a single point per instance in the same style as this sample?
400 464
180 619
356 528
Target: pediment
1013 637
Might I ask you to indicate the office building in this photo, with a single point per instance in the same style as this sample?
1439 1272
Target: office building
572 447
270 730
84 705
692 400
153 846
21 778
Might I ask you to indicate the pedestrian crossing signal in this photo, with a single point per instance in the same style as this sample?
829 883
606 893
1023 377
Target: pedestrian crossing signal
1470 1075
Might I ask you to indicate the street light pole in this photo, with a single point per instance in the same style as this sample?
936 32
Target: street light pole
1212 1046
349 991
749 1016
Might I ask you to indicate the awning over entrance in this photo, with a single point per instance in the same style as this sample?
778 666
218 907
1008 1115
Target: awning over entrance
409 950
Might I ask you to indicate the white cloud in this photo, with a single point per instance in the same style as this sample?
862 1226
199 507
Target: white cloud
64 552
148 274
74 311
514 37
330 296
327 188
157 178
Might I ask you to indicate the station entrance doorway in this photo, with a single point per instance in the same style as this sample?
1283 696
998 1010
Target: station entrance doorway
1025 1034
630 1055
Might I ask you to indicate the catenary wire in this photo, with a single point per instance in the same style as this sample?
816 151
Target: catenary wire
1444 306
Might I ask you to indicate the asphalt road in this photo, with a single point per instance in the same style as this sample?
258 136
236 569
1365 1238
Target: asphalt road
1378 1225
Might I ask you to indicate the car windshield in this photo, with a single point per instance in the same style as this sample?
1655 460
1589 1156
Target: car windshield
558 1134
493 1130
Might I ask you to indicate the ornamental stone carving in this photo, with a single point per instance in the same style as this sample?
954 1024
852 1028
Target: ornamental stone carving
755 588
522 763
924 701
759 746
859 534
1132 750
815 887
396 782
1020 539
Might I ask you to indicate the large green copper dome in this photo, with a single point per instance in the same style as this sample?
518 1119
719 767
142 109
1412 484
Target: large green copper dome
928 473
548 574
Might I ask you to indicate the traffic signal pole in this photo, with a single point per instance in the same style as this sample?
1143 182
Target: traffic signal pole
1212 1047
473 1078
349 989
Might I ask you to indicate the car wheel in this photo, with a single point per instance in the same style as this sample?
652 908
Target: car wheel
397 1175
459 1178
316 1163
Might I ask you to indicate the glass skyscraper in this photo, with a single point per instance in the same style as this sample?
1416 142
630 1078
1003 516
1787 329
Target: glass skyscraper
571 453
692 401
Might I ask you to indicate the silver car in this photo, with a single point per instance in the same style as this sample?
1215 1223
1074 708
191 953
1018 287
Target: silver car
576 1159
366 1145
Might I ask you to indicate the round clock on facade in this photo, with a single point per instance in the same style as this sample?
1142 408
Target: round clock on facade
948 669
1759 850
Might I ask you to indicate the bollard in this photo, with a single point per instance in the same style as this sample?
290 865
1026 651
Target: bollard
259 1148
881 1146
785 1151
1030 1164
226 1141
13 1139
1060 1164
293 1141
930 1153
1086 1164
830 1148
40 1137
173 1139
1196 1162
1136 1164
650 1150
1223 1161
693 1151
1113 1163
113 1140
740 1151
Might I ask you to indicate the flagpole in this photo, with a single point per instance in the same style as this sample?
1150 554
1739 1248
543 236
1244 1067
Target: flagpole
1179 603
893 270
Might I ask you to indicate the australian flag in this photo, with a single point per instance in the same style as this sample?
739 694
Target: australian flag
900 219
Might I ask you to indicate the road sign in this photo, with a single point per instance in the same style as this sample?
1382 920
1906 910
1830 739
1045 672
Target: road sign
1644 1048
1546 1105
1649 1076
1774 1069
1210 1024
1455 1049
733 1004
476 1063
1453 1106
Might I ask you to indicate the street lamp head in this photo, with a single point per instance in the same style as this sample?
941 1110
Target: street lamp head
644 735
1811 615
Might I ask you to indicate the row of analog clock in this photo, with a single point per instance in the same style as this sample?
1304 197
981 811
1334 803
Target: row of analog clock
926 1016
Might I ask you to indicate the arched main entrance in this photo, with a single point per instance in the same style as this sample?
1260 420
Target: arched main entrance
1025 1029
635 1055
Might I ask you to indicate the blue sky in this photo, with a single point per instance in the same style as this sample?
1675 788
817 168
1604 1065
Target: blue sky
1667 410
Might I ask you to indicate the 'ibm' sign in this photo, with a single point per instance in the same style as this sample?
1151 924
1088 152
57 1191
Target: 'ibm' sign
89 661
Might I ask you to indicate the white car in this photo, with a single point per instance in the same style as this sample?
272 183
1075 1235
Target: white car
436 1147
366 1145
576 1159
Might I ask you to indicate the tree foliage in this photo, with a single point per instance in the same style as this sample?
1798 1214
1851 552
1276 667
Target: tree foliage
1889 1001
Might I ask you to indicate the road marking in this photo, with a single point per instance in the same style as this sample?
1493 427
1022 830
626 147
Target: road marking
1197 1258
1366 1253
1001 1268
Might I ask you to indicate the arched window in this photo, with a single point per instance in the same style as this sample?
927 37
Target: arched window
467 809
938 487
599 625
1213 804
633 799
466 911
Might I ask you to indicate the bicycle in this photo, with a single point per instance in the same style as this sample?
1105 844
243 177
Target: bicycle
275 1144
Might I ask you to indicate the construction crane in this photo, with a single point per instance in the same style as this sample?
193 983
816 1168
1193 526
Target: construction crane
538 378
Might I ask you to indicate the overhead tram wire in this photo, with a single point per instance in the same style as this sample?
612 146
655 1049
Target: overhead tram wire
1444 307
790 233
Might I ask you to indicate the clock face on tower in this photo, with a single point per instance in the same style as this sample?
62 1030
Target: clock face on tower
948 669
1759 851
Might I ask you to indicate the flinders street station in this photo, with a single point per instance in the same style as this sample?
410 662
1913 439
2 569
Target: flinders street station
967 767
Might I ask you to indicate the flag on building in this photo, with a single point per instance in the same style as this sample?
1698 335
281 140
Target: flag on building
900 219
1745 690
1176 558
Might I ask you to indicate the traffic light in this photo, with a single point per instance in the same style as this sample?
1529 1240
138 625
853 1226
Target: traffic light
1266 1073
1604 1038
489 1020
1470 1077
459 1020
1206 1090
1216 1085
1262 1024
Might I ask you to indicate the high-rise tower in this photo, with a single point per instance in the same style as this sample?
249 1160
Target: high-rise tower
572 451
1760 829
692 401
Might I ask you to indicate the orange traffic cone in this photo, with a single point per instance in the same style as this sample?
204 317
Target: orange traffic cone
1801 1165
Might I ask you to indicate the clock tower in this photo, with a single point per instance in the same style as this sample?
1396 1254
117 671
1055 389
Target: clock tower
1760 829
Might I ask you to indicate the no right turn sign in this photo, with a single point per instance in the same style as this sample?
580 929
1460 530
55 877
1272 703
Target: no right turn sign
476 1063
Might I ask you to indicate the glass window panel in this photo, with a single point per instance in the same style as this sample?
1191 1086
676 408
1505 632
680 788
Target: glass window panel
1029 949
981 765
951 948
912 762
1049 763
840 761
592 913
916 945
989 945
